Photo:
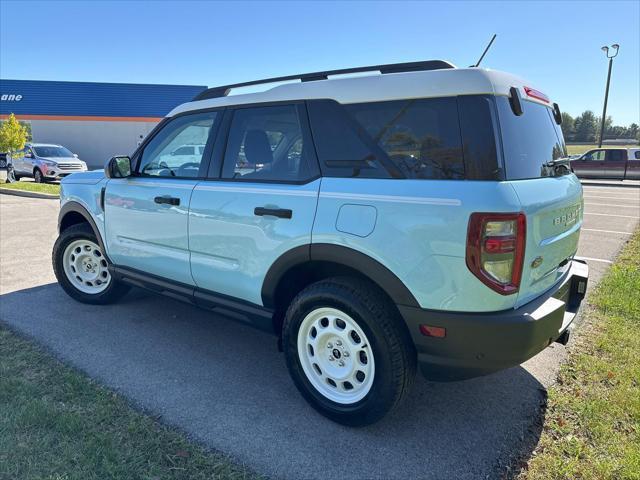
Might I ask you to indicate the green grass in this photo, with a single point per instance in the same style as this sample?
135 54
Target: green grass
577 149
56 424
592 424
49 188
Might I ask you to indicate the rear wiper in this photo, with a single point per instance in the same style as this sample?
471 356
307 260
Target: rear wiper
564 161
557 167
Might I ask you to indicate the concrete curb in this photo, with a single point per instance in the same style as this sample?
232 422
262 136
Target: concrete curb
24 193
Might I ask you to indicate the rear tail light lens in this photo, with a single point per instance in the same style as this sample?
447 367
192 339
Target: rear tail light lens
495 249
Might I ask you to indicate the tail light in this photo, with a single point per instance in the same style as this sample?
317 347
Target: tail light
537 94
495 249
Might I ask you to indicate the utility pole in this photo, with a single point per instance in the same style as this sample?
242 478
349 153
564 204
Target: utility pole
605 49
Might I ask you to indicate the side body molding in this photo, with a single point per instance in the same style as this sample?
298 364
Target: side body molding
340 255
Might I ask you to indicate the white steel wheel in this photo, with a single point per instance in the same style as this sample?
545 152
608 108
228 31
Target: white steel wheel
85 266
336 355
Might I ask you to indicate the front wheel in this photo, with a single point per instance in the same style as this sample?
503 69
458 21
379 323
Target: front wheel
82 269
37 176
347 350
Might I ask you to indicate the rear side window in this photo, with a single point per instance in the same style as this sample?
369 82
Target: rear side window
268 144
421 138
437 138
343 148
636 155
615 156
529 141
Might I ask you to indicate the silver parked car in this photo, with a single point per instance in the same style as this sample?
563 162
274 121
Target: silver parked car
45 162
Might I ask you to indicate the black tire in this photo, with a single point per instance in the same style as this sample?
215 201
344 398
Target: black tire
11 175
111 294
37 176
390 342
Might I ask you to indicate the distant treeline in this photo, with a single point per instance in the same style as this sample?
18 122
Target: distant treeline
586 128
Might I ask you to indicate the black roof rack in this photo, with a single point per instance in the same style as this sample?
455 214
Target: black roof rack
223 91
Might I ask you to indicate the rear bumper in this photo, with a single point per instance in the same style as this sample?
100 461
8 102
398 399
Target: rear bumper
481 343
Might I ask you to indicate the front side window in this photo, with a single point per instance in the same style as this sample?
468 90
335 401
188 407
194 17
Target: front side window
177 150
594 156
267 144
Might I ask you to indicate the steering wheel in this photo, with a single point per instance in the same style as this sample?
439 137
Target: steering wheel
189 165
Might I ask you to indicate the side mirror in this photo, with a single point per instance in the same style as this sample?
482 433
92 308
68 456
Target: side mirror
118 167
75 155
28 155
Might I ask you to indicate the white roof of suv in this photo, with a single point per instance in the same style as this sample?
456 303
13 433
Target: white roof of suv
379 87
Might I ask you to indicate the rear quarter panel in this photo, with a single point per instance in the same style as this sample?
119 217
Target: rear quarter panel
419 233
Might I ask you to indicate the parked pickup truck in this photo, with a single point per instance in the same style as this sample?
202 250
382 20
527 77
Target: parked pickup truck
614 163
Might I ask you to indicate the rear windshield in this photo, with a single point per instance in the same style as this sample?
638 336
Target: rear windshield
52 152
529 141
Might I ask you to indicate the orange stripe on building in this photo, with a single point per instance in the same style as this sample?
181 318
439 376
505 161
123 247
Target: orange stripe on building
85 118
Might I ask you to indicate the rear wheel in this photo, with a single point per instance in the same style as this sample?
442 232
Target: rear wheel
82 268
347 351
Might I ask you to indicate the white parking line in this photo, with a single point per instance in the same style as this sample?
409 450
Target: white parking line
605 231
613 205
620 191
612 198
610 215
595 259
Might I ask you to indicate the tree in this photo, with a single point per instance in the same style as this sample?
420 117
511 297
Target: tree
586 126
13 135
568 127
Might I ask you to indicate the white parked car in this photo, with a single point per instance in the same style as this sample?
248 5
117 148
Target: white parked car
45 162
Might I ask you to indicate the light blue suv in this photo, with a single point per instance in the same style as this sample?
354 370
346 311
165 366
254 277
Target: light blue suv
422 217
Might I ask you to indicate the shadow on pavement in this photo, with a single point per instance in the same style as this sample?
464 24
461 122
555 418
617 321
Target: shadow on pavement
227 386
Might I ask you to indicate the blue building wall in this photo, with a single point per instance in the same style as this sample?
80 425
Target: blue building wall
32 97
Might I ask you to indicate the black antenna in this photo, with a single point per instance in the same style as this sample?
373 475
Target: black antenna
485 50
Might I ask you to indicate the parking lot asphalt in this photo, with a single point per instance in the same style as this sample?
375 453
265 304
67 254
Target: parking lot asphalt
226 385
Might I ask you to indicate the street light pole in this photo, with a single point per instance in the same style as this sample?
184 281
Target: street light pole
605 49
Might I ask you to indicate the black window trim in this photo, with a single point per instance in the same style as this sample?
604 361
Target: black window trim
214 172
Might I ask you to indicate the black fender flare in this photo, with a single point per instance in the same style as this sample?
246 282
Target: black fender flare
348 257
75 207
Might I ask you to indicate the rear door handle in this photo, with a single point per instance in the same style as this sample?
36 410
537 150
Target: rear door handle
276 212
167 200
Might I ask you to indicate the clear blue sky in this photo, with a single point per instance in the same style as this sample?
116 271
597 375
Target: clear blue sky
555 45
